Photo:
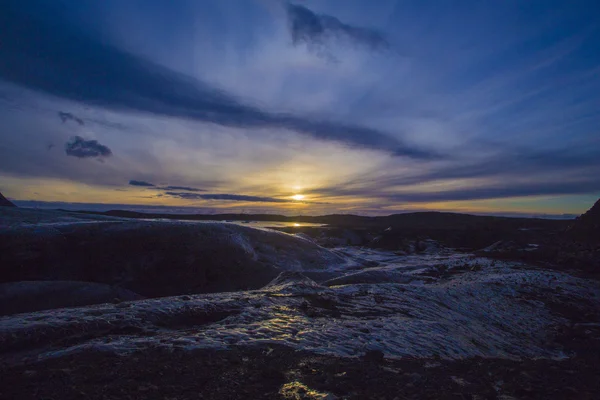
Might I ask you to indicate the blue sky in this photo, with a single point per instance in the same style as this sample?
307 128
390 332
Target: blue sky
359 106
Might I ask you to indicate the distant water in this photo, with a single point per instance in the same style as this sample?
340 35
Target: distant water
255 224
272 224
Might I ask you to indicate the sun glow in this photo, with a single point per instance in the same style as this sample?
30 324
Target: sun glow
298 197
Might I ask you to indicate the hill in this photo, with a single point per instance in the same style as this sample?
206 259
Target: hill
587 226
416 220
4 202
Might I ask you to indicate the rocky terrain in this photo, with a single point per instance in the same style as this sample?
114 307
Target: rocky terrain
587 226
576 249
188 310
4 202
28 296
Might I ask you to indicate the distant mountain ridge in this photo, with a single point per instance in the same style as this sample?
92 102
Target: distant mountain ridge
4 202
416 220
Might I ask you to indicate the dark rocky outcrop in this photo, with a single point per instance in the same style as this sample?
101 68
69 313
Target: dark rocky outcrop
261 372
4 202
587 226
21 297
576 248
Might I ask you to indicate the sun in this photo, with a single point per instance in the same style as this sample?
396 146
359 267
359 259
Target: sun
298 197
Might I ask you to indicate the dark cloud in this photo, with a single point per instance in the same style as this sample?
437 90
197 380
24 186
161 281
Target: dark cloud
315 30
65 116
81 148
186 188
167 188
228 197
501 191
140 183
53 57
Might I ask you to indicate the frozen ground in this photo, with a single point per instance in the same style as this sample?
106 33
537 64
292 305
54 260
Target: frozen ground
345 301
346 322
451 306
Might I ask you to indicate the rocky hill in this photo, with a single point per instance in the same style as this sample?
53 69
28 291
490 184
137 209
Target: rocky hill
4 202
587 226
151 258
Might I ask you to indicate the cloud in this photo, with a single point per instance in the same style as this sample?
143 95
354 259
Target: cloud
227 197
500 191
58 59
65 116
167 188
186 188
315 29
140 183
573 170
81 148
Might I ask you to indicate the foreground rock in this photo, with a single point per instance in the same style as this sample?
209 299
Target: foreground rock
277 372
22 297
496 331
493 310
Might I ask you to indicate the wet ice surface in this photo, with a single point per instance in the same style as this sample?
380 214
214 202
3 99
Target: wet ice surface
435 304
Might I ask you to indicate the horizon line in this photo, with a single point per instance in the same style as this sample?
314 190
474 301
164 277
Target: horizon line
180 210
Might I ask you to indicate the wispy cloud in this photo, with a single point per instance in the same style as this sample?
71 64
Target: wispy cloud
134 182
87 70
316 30
497 191
186 188
81 148
141 183
227 197
65 116
508 167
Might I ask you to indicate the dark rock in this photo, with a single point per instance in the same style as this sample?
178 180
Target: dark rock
375 356
587 226
4 202
253 373
29 296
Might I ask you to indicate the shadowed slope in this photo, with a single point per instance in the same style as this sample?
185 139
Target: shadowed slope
153 258
4 202
587 226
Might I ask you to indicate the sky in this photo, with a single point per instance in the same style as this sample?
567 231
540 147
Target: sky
303 107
